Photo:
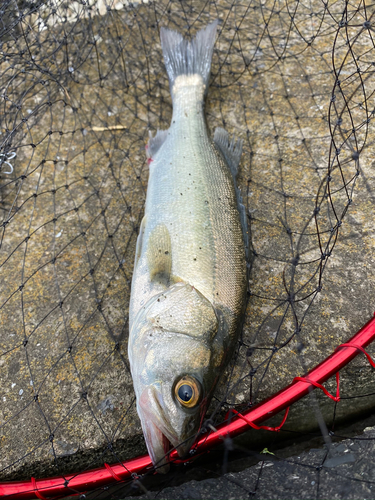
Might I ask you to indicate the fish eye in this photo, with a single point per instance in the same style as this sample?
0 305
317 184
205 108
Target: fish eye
188 391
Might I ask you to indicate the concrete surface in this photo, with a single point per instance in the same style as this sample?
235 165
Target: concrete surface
72 207
347 473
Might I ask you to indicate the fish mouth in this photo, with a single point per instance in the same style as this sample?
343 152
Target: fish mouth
159 436
158 446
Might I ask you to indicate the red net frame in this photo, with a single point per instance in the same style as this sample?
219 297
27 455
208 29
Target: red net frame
237 423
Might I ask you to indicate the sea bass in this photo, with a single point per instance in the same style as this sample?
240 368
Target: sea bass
189 284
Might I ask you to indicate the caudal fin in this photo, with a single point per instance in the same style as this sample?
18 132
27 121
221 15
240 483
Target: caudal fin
182 57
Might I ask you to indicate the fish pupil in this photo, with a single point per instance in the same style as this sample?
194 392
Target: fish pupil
185 393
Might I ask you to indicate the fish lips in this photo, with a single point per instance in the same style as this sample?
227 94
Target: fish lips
159 435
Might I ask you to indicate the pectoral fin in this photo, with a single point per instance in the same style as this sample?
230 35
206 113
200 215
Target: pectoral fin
183 309
159 255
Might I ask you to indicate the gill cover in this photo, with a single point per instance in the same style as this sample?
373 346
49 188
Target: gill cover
183 309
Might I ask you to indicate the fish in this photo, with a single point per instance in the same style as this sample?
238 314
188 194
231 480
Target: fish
189 284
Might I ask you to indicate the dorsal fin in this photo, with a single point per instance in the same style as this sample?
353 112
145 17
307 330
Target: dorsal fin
159 255
232 151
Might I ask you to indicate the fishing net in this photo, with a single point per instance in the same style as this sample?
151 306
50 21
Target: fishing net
81 84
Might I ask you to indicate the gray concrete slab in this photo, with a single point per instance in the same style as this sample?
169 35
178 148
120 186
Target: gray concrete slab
72 208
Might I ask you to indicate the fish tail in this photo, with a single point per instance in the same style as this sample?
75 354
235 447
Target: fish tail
183 57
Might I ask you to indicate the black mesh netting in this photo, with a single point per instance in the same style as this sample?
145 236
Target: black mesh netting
81 83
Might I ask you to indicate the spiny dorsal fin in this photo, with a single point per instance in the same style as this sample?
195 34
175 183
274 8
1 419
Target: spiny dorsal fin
154 143
230 149
183 309
159 255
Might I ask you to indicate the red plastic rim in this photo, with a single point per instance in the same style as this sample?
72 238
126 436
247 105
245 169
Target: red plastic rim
239 423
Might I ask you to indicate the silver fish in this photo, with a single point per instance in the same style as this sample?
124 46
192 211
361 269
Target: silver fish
190 272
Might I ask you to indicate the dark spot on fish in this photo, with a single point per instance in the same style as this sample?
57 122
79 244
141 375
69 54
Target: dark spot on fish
166 252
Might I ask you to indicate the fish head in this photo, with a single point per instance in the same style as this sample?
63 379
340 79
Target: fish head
173 369
172 395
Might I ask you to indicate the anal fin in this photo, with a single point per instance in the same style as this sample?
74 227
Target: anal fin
154 143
